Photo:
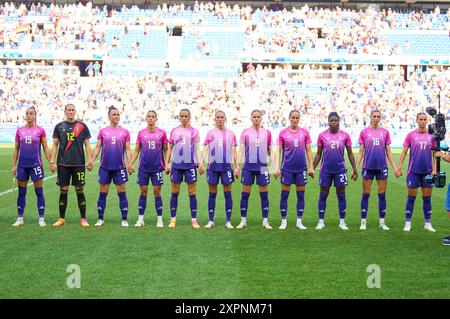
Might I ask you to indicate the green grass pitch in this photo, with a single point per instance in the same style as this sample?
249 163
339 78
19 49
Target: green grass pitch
221 263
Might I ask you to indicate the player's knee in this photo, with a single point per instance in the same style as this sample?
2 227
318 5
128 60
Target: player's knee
192 192
156 192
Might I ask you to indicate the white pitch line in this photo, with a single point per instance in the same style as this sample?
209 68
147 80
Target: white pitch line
30 183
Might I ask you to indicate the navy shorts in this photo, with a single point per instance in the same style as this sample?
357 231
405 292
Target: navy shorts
119 176
417 180
339 180
144 178
24 173
189 175
213 177
262 178
299 178
379 174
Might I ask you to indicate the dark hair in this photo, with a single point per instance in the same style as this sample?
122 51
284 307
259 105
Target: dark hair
111 108
259 111
294 111
154 112
419 114
69 104
186 110
334 114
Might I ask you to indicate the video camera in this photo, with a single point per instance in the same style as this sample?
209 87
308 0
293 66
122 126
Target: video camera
437 130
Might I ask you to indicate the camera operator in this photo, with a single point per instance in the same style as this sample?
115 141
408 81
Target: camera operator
446 157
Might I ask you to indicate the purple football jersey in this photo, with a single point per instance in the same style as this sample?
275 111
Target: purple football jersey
257 144
294 149
184 141
152 150
113 147
221 144
333 145
420 159
374 141
30 145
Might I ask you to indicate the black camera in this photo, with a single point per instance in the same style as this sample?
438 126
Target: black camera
437 130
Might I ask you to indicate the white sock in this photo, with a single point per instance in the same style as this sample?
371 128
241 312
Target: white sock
264 220
194 220
284 221
408 223
363 221
141 218
428 224
160 219
342 222
382 221
20 219
321 221
299 220
172 219
41 219
243 219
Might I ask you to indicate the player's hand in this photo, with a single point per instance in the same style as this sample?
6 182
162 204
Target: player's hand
201 169
398 172
433 173
167 169
277 173
236 173
53 167
131 169
14 170
89 166
438 154
354 175
311 172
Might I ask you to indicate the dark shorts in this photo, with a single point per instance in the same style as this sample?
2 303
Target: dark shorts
67 173
339 180
379 174
299 178
24 173
262 178
213 177
119 176
189 175
417 180
144 178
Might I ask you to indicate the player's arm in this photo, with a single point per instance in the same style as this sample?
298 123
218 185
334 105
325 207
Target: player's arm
310 160
390 157
128 153
360 155
236 161
445 157
204 153
399 172
351 158
433 163
137 149
168 158
15 158
277 171
199 155
97 149
318 156
53 154
87 147
47 151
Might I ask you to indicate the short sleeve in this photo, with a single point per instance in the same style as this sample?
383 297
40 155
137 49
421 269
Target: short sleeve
127 136
388 138
307 137
43 133
361 138
269 138
320 141
87 133
280 138
56 132
100 135
164 138
234 139
242 138
197 136
17 136
138 139
407 142
208 138
171 141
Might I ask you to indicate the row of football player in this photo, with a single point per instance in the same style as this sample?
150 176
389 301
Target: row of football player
180 157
